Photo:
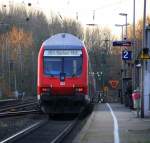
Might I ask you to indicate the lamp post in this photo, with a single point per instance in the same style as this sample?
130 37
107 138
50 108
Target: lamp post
121 25
125 38
122 87
126 34
125 14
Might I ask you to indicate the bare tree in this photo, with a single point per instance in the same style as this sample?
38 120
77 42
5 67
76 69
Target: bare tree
22 33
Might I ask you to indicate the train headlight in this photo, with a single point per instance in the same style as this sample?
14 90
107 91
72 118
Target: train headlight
79 89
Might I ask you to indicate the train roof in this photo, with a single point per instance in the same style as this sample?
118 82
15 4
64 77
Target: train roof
63 41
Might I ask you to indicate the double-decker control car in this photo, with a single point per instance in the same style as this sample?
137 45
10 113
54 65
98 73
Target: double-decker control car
62 84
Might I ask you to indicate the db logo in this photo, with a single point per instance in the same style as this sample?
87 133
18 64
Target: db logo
62 83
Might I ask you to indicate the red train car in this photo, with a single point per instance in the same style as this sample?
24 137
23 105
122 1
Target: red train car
62 84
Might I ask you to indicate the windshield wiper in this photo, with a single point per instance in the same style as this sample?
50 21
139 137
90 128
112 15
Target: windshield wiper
73 75
51 75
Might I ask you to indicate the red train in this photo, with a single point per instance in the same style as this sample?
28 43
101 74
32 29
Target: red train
62 84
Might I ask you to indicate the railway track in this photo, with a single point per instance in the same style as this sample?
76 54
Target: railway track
45 131
11 102
19 108
18 113
8 102
23 132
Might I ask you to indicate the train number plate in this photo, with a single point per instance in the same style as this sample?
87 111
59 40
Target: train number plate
62 83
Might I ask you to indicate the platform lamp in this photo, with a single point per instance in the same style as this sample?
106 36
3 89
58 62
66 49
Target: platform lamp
125 14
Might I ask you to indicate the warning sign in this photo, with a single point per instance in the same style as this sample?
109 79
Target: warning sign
114 83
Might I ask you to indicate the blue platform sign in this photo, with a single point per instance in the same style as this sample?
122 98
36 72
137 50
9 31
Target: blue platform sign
122 43
126 55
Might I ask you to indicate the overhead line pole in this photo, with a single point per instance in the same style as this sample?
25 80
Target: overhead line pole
142 70
122 65
126 24
134 48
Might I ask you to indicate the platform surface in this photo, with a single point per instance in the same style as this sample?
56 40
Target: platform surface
100 126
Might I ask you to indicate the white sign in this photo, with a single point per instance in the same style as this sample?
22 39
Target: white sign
63 53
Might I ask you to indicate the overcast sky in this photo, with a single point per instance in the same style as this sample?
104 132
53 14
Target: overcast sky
106 11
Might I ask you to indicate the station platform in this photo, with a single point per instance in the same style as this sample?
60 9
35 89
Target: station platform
114 123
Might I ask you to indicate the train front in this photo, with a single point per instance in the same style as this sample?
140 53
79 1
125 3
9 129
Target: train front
62 74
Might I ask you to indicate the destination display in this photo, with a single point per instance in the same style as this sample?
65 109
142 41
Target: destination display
122 43
62 53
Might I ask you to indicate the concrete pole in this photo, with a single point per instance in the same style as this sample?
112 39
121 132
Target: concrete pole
93 16
122 67
77 17
143 67
134 48
122 32
126 26
125 68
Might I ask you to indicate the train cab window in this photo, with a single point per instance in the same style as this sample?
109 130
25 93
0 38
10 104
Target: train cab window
73 66
52 66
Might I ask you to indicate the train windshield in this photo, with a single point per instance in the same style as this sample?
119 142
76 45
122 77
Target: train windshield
52 66
70 65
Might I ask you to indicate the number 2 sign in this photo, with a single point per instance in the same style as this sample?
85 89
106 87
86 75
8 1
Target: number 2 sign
126 55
